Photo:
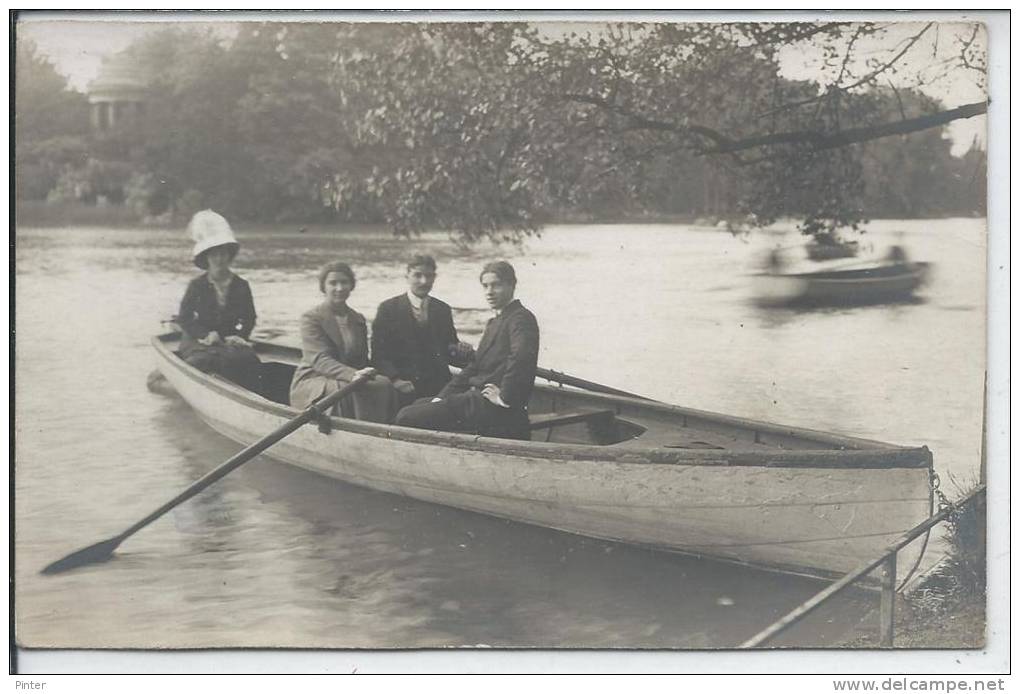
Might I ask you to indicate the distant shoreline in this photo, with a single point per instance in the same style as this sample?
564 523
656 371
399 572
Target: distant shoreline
41 214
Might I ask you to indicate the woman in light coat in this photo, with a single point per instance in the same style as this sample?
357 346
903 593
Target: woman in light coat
334 351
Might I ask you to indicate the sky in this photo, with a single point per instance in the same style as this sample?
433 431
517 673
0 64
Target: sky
77 46
940 43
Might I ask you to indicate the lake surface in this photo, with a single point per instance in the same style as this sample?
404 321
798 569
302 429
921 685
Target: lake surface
275 556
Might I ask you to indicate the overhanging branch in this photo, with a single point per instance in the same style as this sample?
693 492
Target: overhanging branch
817 139
870 77
823 141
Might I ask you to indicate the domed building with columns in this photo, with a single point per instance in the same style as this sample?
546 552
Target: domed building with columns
118 95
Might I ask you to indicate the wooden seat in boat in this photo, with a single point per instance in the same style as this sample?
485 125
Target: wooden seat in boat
554 419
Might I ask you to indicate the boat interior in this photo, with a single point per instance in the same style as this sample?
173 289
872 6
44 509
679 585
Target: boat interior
569 415
555 416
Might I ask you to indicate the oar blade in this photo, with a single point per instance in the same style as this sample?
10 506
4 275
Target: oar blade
93 554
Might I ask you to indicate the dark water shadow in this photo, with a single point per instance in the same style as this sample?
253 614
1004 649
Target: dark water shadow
772 315
958 307
848 306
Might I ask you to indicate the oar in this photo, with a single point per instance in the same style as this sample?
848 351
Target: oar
102 551
567 379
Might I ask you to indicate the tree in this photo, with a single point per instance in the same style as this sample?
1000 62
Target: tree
493 129
44 105
50 122
716 91
419 124
489 128
190 144
293 121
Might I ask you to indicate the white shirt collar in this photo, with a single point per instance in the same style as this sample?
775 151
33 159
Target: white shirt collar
496 313
416 301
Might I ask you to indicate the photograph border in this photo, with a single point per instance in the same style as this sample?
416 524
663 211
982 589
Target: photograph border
995 656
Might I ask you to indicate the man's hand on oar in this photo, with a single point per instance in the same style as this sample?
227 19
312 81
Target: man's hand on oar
103 551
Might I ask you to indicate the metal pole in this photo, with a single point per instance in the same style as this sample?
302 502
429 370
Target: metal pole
811 604
887 610
984 434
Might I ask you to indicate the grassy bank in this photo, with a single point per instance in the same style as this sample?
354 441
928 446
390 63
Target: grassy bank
947 608
38 213
956 625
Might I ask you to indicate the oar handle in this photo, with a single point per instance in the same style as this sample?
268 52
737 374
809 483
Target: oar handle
312 412
567 379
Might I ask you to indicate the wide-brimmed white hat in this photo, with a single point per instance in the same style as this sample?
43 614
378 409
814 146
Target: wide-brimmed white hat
209 230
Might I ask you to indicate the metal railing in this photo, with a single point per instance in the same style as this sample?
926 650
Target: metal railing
887 560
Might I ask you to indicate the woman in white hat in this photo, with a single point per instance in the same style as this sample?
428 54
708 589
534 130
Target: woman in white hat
218 313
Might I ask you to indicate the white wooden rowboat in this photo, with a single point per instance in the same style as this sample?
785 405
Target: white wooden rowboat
611 467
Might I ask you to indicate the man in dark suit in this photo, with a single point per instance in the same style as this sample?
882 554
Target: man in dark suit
490 396
413 338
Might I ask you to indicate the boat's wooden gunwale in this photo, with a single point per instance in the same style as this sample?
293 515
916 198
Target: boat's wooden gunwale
844 443
864 454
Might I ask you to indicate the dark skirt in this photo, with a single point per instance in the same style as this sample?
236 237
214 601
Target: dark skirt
237 363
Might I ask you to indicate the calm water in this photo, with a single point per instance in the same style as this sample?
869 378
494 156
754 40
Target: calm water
274 556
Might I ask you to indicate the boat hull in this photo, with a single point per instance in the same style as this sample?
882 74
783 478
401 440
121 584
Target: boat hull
787 514
882 284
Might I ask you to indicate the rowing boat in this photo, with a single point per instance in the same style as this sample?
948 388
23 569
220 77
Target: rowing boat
879 283
608 466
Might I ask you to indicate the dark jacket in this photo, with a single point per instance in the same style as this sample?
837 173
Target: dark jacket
403 349
200 313
507 356
324 356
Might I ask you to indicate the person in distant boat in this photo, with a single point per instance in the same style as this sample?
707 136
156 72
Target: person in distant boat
897 254
334 352
489 396
413 337
774 261
217 313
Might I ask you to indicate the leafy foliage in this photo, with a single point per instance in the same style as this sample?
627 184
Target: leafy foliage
50 123
46 107
962 574
493 129
190 141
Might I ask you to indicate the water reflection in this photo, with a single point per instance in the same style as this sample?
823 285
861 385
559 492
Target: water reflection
770 317
457 578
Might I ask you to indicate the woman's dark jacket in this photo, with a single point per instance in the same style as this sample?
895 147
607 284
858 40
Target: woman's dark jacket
200 313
